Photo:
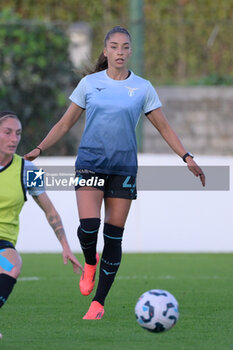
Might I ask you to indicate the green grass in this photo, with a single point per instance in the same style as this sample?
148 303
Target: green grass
47 314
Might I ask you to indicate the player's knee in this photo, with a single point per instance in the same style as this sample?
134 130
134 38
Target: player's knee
88 226
15 272
112 234
11 266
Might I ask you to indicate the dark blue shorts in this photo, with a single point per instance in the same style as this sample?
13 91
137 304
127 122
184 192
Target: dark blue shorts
6 244
113 186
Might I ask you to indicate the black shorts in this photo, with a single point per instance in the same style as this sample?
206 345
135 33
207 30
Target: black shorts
113 186
6 244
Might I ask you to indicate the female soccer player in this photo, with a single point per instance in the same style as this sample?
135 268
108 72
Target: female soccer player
113 98
12 198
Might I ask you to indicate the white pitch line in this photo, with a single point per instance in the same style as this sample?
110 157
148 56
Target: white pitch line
169 277
145 277
26 279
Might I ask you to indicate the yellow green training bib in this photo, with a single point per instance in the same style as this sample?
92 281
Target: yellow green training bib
12 198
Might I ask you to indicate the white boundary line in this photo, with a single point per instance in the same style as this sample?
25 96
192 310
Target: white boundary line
26 279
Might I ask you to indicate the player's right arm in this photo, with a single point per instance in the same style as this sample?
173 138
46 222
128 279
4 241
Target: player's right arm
70 117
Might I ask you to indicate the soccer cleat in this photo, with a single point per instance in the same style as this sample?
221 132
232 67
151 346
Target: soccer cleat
95 312
87 279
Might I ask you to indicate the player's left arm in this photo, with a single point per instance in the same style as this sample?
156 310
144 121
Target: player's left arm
158 119
55 222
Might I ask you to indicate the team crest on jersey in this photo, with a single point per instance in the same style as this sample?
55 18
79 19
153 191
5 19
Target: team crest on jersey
131 90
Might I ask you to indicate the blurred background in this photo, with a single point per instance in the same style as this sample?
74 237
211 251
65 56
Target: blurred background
184 47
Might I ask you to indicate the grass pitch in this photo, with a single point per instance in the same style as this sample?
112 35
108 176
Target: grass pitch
45 309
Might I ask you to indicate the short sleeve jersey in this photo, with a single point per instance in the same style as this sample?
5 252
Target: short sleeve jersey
33 191
113 108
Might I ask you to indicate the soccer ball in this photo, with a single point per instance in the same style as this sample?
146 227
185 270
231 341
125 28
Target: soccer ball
157 310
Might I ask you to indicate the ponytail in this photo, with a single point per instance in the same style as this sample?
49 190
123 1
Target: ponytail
101 64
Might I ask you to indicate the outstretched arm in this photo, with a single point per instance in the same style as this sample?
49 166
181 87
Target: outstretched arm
70 117
55 222
158 119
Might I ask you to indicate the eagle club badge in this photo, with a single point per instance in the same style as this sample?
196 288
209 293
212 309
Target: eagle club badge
131 90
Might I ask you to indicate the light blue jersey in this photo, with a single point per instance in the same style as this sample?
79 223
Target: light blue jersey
113 108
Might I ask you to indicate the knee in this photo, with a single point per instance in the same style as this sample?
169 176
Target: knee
15 272
88 226
113 234
12 267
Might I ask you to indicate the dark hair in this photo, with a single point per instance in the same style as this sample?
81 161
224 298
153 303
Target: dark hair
117 29
102 62
7 114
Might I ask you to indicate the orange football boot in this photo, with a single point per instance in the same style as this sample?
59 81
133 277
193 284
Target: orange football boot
95 312
87 279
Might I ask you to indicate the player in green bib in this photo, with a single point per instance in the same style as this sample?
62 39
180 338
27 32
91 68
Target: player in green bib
13 189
